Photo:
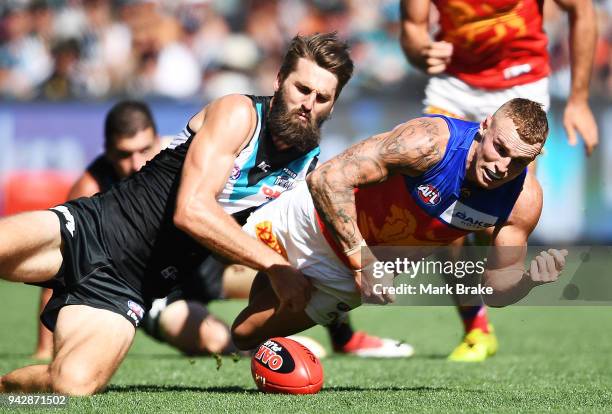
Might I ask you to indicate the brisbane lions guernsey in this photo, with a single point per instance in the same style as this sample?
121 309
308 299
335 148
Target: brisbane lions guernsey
497 44
436 207
138 212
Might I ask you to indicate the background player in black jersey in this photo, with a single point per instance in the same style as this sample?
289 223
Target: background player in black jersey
101 253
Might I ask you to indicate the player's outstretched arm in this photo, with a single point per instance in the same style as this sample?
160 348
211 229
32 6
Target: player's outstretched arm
578 117
422 52
224 128
410 149
506 272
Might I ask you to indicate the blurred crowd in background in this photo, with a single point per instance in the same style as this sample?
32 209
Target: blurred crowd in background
98 49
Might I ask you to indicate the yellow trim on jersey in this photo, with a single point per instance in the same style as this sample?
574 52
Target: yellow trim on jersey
431 110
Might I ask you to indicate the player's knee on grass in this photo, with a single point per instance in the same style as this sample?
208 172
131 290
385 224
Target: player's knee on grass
189 326
75 379
90 345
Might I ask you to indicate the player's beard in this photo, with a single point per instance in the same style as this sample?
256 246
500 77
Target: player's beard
287 128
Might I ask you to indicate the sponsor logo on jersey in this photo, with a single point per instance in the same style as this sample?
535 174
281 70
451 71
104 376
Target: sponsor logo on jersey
429 194
464 217
70 226
268 355
236 172
135 311
263 166
285 182
270 193
290 173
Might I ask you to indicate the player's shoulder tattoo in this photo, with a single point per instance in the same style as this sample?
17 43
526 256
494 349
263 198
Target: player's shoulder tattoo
414 146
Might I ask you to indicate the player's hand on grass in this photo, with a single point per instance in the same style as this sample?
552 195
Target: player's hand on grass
437 56
291 287
578 118
547 266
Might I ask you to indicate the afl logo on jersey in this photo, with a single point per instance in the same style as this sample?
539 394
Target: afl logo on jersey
429 194
235 173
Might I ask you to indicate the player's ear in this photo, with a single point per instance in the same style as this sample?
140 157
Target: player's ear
277 83
484 125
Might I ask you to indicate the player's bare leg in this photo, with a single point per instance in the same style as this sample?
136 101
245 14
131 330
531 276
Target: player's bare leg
30 247
188 326
89 344
30 251
237 281
262 319
44 344
347 341
33 378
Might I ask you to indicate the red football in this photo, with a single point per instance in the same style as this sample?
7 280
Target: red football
282 365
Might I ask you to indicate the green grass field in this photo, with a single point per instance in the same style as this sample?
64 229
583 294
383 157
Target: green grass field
550 359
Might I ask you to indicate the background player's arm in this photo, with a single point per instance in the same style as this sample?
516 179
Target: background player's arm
410 148
506 272
86 186
583 38
226 125
430 56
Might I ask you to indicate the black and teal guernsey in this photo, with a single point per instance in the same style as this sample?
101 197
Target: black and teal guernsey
136 215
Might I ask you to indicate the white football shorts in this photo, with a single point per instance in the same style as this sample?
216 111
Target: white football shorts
289 225
451 96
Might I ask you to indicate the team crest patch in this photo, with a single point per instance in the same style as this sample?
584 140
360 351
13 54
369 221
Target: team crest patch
236 172
263 231
429 194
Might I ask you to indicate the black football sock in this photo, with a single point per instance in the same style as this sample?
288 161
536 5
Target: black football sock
340 332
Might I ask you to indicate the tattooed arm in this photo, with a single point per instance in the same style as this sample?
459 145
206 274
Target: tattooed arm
410 149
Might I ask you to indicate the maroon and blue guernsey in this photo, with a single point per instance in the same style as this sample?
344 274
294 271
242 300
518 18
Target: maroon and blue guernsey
436 207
